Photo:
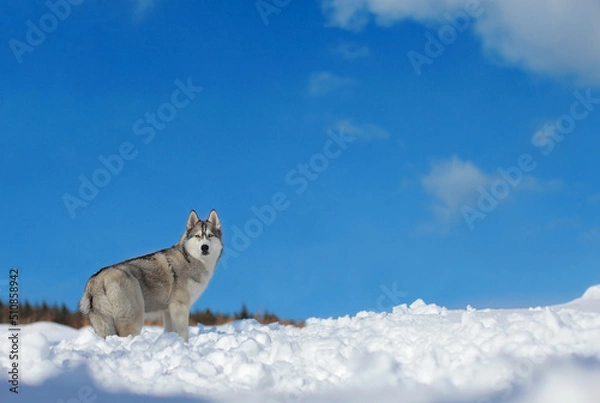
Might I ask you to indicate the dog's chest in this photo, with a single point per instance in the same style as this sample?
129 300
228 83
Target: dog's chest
195 287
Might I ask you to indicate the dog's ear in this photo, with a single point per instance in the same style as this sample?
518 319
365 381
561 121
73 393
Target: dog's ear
192 220
213 218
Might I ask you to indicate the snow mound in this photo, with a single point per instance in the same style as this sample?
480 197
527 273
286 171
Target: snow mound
589 301
592 293
54 332
422 352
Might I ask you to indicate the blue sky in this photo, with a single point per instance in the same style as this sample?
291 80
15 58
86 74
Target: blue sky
407 157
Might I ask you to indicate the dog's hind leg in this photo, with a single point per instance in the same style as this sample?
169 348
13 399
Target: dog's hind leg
129 317
129 326
122 302
102 325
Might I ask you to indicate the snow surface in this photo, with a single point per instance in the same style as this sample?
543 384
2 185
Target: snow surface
420 353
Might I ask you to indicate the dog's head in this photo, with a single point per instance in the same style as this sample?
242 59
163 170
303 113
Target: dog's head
203 240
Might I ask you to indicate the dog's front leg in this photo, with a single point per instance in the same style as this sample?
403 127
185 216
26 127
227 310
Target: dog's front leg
179 314
167 321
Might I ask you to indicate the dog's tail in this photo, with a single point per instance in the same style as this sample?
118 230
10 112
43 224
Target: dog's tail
85 304
102 323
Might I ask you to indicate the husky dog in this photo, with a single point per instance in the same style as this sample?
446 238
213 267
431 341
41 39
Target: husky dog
166 282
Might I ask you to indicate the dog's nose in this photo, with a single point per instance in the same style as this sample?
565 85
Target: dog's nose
204 248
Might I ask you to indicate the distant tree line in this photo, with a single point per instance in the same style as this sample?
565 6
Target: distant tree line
29 313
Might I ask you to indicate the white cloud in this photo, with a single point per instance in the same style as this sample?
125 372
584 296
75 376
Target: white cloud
532 184
352 51
545 136
455 183
356 14
366 131
323 83
554 37
452 183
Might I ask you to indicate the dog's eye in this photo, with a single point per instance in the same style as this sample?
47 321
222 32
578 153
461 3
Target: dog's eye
211 235
197 236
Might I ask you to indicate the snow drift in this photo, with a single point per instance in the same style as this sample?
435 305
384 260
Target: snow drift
417 353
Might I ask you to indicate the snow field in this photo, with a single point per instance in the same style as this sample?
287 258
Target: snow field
417 353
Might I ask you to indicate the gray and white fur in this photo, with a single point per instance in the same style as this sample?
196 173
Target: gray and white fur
166 283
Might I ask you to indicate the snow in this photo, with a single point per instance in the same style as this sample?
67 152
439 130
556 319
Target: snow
418 353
